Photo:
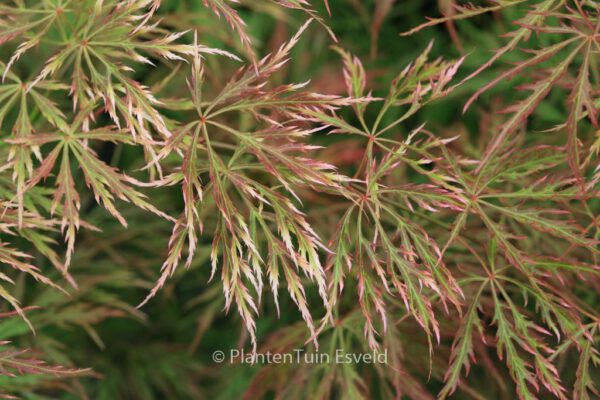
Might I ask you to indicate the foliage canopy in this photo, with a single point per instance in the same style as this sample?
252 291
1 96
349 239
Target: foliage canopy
440 205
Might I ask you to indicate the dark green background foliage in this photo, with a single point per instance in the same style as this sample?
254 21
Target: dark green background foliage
467 241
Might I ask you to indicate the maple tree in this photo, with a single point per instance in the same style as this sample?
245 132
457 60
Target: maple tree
136 138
